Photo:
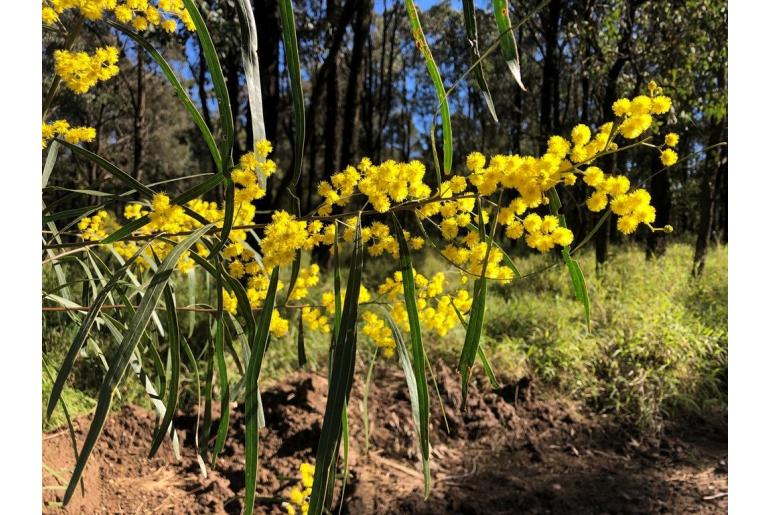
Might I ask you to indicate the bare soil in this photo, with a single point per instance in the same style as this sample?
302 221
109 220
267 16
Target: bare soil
509 452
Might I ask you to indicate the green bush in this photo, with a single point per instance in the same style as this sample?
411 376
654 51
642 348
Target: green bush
656 349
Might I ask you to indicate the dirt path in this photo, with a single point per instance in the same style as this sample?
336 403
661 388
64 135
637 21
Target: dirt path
509 453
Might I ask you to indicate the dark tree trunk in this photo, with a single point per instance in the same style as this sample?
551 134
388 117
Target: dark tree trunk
350 118
385 84
268 40
610 95
232 64
715 165
138 172
660 191
331 138
549 92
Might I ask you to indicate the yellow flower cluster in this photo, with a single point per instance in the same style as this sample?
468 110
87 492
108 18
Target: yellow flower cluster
307 278
72 135
668 156
470 256
80 71
435 309
96 227
633 208
90 9
299 497
542 233
378 240
379 332
283 237
382 184
636 114
314 320
246 173
278 326
164 217
141 14
327 299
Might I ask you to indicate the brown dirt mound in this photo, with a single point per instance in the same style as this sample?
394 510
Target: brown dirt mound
509 452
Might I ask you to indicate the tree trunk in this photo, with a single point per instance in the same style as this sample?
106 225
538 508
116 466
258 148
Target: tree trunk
610 95
350 125
268 40
138 172
232 65
549 93
660 191
715 165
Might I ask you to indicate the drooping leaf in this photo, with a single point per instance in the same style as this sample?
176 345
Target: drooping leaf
575 273
181 91
418 352
340 382
50 161
481 354
253 402
291 47
508 41
84 329
123 354
469 17
218 80
174 354
251 72
438 85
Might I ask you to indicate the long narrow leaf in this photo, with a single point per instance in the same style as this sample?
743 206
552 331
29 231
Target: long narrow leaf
575 273
173 381
340 382
50 161
481 354
298 100
438 84
253 402
251 72
123 354
418 352
218 79
109 167
508 42
84 329
181 91
194 192
469 16
478 307
406 366
224 391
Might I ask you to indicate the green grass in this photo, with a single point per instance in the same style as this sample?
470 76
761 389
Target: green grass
657 346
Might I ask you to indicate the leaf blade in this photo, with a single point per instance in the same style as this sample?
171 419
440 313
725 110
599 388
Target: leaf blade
124 352
418 351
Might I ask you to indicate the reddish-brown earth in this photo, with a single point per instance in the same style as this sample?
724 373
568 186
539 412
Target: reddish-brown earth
510 452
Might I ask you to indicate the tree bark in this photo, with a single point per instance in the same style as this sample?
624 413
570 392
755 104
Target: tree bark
715 165
268 41
137 170
660 191
549 92
610 95
350 126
